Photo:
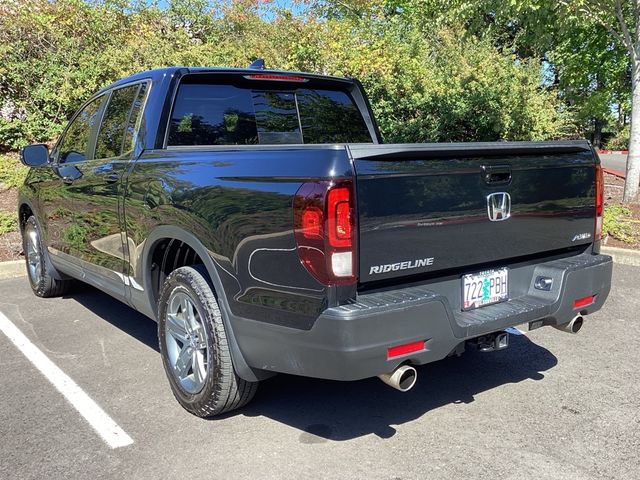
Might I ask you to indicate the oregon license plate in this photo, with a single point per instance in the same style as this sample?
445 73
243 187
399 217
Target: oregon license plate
485 288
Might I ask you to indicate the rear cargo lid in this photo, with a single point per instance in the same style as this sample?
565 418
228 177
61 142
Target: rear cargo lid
432 207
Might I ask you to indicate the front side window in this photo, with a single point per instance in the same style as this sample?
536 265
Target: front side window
224 114
74 146
114 122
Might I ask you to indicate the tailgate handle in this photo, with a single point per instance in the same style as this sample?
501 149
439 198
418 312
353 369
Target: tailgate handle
496 174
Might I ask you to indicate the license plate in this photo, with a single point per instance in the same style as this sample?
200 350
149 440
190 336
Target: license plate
485 288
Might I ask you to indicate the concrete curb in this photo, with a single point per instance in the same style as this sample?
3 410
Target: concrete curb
624 256
612 171
12 269
613 152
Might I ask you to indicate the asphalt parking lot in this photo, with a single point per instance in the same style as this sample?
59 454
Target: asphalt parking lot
615 161
551 406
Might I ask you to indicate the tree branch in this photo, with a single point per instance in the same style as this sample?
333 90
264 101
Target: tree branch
618 37
624 40
349 8
625 30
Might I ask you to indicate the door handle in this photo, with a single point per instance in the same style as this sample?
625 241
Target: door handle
67 180
496 174
112 177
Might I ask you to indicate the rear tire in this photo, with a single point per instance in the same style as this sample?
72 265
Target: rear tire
40 279
194 346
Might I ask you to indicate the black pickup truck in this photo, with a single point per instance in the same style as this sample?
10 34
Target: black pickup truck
257 216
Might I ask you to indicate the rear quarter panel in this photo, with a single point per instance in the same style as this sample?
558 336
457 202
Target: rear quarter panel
238 204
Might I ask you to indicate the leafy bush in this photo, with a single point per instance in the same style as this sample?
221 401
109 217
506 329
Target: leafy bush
616 223
12 172
620 141
426 84
8 222
447 88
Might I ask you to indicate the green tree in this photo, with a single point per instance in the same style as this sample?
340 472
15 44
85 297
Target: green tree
429 80
589 49
622 21
432 79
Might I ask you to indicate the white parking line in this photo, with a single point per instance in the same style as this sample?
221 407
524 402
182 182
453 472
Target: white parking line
102 423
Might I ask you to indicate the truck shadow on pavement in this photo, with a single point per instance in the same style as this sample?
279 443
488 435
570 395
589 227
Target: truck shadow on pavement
118 314
329 410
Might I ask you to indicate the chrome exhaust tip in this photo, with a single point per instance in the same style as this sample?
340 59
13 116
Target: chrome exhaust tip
402 378
573 326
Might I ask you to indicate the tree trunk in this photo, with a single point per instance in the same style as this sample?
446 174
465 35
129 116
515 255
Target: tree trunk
633 159
596 138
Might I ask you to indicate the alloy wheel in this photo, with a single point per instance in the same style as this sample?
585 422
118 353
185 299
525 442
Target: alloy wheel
187 342
34 264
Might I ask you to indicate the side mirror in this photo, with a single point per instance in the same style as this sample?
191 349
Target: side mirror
35 155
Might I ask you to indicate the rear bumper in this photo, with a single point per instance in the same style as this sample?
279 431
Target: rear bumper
350 342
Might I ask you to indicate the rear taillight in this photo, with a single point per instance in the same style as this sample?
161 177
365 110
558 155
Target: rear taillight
339 216
325 230
599 202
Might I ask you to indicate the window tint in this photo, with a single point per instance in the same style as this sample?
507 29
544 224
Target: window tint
277 117
213 115
74 146
206 114
114 122
331 117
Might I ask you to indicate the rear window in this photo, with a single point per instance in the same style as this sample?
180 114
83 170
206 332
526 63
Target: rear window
222 114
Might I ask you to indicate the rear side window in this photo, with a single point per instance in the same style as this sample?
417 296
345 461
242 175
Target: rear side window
136 119
74 146
119 121
220 114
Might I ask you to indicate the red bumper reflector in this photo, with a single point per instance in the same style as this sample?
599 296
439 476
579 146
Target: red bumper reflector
404 349
583 302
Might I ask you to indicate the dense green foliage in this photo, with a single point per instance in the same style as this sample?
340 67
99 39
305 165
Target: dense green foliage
616 222
428 80
12 172
569 40
589 67
8 222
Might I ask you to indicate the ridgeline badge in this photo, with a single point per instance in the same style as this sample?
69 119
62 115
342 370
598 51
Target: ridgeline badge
394 267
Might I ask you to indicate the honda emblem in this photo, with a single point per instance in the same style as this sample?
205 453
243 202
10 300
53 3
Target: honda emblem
499 206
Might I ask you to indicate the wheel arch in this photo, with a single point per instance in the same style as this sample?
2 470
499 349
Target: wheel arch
25 210
165 233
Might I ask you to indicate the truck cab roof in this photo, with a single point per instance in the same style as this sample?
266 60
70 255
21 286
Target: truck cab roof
161 73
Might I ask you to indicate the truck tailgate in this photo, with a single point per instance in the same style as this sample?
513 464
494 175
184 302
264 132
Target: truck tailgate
425 208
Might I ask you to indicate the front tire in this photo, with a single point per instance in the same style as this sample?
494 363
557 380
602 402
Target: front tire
194 346
40 279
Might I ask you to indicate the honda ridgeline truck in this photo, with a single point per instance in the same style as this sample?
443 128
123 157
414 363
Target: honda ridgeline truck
257 216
